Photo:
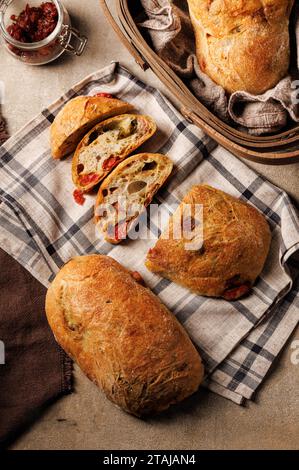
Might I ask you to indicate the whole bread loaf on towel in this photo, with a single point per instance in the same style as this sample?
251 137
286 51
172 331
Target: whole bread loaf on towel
123 338
231 250
242 44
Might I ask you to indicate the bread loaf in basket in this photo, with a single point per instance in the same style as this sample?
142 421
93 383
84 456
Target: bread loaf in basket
242 44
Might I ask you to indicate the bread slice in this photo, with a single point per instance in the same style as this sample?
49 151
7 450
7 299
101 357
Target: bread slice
106 145
77 117
127 191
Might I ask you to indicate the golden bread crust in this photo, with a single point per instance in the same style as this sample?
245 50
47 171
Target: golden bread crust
77 117
120 334
236 242
242 44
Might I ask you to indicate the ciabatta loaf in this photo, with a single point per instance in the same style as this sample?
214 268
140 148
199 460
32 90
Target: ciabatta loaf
215 245
127 191
77 117
122 337
106 145
242 44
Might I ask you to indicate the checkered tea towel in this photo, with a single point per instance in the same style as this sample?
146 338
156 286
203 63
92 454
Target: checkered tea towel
43 228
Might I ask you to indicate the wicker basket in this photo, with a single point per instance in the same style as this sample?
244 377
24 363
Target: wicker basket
277 149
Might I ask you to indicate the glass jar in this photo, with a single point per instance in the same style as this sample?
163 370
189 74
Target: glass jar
62 38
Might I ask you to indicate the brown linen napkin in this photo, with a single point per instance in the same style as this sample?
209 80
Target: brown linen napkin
3 130
36 370
169 26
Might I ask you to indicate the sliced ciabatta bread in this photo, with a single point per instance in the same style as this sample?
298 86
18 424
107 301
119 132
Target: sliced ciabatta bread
78 116
127 191
106 145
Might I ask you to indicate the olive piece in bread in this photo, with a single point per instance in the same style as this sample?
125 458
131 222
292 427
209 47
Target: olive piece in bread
121 336
127 191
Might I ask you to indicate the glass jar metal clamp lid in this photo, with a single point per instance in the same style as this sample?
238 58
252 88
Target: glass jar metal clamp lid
63 37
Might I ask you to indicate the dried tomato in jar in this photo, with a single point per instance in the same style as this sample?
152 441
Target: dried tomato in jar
39 34
34 23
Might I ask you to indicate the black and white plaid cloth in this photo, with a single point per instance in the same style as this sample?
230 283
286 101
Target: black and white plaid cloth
42 228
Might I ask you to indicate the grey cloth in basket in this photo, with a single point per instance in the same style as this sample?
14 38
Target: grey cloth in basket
171 32
42 228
